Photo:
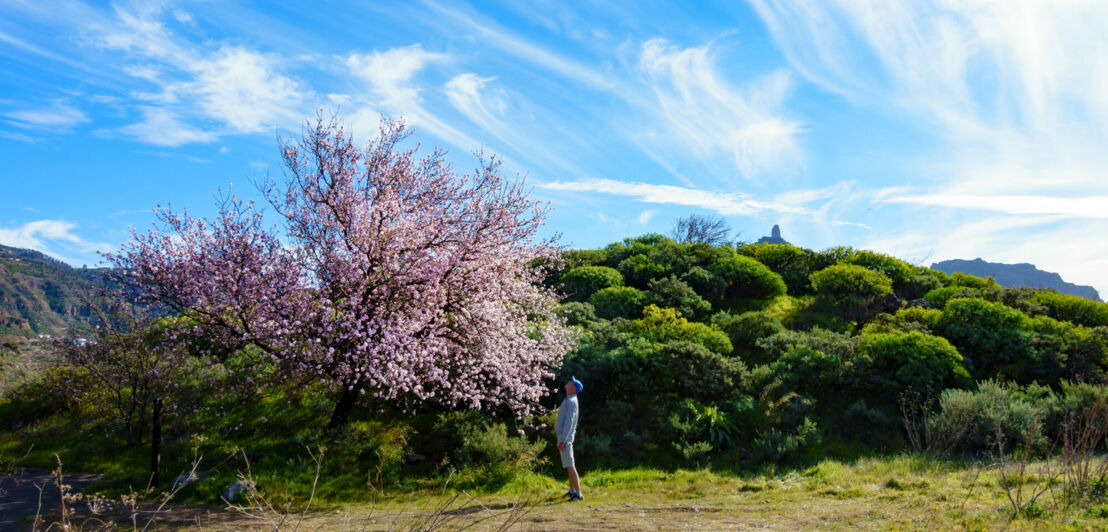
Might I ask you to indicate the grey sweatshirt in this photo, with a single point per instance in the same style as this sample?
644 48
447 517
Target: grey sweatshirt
566 426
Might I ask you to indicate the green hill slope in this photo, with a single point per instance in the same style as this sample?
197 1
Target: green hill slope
39 294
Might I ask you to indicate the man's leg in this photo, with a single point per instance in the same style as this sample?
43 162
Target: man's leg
574 481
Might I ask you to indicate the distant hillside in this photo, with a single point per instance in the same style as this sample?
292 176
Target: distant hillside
1012 275
39 294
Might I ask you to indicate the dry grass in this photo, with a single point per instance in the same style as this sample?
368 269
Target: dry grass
899 493
903 493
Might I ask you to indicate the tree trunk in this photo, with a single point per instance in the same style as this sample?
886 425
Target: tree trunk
341 415
156 444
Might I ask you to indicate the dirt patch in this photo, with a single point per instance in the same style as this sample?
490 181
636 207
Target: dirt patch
34 492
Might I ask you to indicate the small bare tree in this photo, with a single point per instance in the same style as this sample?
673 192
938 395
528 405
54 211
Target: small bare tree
695 228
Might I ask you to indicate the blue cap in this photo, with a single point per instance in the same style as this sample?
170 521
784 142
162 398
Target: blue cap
578 384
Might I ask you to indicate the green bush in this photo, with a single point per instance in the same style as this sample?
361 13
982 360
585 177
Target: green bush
665 324
853 291
1023 299
693 371
581 314
1072 351
583 281
890 363
900 273
483 449
924 281
618 302
925 318
776 445
1078 310
841 345
973 281
816 373
995 341
674 293
863 424
705 283
974 422
940 296
641 245
793 264
639 269
584 257
745 330
746 278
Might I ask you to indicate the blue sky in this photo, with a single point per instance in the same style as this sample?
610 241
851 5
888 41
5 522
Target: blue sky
927 130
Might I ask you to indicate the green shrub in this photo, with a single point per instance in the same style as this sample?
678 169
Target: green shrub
584 257
841 345
863 424
793 264
1071 351
746 278
639 269
583 281
484 450
816 373
745 330
973 281
940 296
926 318
976 421
924 281
1078 310
618 302
693 453
900 273
1023 299
890 363
665 324
673 293
853 291
580 314
690 370
995 341
641 245
705 283
776 445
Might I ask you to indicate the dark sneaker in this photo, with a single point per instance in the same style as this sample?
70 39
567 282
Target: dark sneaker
569 494
576 497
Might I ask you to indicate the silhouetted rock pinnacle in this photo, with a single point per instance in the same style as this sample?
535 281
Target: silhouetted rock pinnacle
773 238
1013 275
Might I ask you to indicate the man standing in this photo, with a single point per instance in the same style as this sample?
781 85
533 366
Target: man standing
566 427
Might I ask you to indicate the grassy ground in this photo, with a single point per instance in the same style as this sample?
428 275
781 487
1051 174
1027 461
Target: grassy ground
891 493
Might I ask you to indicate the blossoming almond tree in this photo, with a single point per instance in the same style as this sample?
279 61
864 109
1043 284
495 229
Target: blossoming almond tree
397 277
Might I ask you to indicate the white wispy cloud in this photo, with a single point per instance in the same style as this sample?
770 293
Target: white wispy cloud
645 216
727 204
1068 207
59 117
704 113
238 89
511 43
53 237
389 83
162 127
1017 95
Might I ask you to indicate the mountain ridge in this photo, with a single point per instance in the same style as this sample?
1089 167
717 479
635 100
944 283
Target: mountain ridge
1013 275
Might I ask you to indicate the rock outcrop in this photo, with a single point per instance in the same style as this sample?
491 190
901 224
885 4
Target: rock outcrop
773 238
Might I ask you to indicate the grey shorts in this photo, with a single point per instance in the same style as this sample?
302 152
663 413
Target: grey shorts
567 455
